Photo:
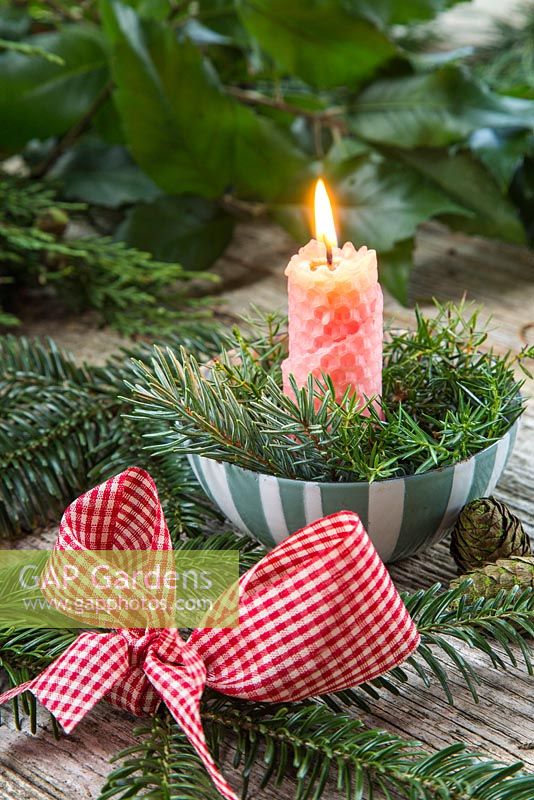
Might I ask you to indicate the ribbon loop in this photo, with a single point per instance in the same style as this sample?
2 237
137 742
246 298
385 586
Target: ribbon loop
318 614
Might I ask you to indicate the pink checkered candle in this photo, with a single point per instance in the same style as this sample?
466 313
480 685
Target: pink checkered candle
335 311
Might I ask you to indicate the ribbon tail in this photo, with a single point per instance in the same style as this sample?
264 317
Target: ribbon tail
14 692
79 678
181 687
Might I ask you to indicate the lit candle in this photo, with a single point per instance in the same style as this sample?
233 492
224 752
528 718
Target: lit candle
335 311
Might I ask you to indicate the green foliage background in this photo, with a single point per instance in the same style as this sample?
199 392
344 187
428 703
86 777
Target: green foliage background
183 112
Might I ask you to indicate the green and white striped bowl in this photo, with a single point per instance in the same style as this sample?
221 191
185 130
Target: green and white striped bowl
401 515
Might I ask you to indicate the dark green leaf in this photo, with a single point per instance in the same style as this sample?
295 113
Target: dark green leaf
107 123
38 98
394 268
393 12
183 130
187 229
322 43
433 109
103 175
152 9
502 152
222 17
14 22
381 202
378 202
468 182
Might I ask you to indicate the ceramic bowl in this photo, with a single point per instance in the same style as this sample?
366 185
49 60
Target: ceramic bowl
402 515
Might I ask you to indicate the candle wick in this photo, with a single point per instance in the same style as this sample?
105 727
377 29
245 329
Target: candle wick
328 254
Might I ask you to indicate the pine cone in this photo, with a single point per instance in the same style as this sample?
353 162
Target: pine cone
485 531
504 574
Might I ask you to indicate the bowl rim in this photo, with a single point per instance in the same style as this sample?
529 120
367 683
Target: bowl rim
345 484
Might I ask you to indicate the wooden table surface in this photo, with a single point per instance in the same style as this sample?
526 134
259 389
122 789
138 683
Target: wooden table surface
502 724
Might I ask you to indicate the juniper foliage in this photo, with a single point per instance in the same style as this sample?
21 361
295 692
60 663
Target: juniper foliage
128 288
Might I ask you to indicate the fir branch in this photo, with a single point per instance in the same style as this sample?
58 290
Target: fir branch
62 431
54 414
321 745
162 765
34 649
507 618
26 202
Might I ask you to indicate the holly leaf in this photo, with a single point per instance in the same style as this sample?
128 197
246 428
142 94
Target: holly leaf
322 43
40 98
466 180
381 202
502 152
181 127
378 202
14 23
187 229
155 9
107 176
433 109
392 12
394 267
223 19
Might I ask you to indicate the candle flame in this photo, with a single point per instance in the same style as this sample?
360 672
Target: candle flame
325 229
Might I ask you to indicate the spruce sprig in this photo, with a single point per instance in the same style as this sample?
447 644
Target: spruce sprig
62 431
161 765
315 746
507 618
443 400
444 619
53 413
320 744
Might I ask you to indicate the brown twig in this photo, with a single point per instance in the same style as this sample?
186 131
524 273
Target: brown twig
73 133
245 209
331 116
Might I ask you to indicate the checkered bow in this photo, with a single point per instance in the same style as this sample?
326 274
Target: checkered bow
317 614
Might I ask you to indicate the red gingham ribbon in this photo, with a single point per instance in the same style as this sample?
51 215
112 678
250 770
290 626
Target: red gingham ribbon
317 614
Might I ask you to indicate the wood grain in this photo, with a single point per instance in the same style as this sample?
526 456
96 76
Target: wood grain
502 724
